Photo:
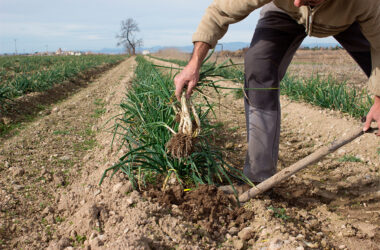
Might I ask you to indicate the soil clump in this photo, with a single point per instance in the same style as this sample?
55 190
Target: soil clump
206 206
180 145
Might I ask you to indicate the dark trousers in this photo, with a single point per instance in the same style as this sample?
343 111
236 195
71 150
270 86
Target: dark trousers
276 39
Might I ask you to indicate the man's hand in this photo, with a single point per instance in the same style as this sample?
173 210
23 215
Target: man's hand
189 76
373 115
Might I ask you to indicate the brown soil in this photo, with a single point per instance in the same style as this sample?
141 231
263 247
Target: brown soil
205 206
180 145
23 108
337 64
50 170
333 202
44 157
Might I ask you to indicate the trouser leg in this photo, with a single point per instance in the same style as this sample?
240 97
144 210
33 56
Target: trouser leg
273 45
354 42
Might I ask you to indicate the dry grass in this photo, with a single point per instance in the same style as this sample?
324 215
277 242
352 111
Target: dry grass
337 64
172 53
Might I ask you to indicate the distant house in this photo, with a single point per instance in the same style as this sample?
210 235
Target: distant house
68 53
146 52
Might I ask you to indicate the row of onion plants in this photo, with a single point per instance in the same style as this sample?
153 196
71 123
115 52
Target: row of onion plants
20 75
143 126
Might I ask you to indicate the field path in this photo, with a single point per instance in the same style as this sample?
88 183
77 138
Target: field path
41 162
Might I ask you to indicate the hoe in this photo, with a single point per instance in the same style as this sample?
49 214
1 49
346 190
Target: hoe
301 164
180 145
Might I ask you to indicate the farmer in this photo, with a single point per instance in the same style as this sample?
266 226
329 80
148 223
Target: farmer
281 29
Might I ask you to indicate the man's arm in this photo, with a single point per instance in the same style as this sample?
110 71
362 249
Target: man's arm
220 14
213 26
373 115
189 76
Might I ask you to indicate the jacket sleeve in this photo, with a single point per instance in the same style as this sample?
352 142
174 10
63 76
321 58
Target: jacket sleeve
370 25
220 14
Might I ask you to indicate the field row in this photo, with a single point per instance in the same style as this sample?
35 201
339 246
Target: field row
20 75
149 121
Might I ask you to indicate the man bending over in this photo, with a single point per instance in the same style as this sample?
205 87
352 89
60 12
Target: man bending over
282 27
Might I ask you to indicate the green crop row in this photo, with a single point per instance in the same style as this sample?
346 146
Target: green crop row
147 112
24 74
327 93
323 92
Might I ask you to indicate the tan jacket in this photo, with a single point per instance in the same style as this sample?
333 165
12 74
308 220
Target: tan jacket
327 19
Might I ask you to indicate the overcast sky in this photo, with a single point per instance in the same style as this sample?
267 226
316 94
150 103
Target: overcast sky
37 25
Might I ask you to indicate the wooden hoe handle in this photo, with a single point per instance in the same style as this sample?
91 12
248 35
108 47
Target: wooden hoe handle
301 164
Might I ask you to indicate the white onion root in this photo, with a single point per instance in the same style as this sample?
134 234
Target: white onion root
181 144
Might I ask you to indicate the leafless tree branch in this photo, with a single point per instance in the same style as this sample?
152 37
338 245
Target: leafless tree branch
127 38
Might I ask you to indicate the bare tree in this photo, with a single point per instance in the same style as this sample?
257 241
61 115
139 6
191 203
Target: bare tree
127 36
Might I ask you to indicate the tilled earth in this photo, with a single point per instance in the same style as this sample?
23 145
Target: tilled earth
50 197
205 206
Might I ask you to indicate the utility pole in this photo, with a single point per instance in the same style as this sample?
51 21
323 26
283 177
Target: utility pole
217 53
15 46
47 49
221 45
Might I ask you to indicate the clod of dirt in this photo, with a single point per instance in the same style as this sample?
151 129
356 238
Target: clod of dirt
16 171
246 234
177 118
207 206
64 243
180 145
